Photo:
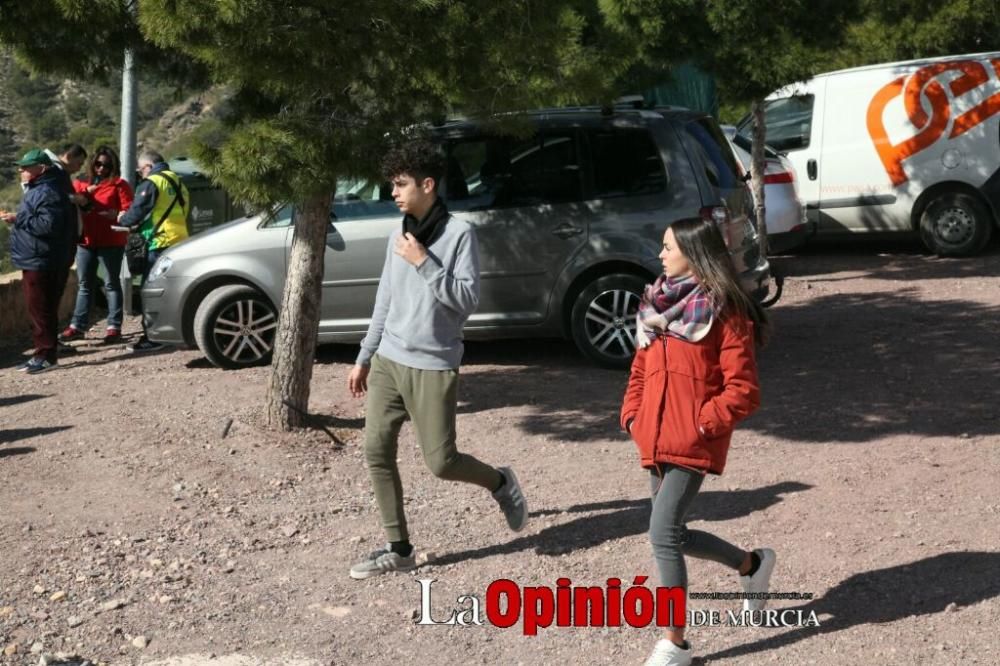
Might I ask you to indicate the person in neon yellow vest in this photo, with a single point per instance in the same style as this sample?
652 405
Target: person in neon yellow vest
159 213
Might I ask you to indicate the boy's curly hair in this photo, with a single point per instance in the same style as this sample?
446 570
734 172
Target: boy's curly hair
419 158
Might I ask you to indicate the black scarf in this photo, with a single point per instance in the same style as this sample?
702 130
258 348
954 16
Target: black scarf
427 230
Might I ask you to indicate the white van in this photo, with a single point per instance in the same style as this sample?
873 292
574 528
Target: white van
900 147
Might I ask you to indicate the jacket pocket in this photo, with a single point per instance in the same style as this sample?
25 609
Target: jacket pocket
645 428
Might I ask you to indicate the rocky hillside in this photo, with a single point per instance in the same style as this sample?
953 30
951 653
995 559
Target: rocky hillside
39 111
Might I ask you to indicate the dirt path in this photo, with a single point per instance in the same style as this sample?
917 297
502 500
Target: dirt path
871 470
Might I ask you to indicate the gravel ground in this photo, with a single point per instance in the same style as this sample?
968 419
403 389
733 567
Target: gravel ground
133 532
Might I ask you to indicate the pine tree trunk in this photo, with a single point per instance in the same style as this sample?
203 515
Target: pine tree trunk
757 168
298 323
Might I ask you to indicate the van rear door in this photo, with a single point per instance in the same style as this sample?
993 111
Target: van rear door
795 127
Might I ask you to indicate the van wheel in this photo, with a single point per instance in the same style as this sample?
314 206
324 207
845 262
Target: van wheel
955 225
603 319
235 327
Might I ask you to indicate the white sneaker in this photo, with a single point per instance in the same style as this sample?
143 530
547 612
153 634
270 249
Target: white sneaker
666 653
760 582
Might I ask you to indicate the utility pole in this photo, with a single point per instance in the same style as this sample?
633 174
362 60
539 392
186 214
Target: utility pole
130 96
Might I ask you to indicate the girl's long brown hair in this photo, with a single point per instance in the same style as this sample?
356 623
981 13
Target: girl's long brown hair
701 243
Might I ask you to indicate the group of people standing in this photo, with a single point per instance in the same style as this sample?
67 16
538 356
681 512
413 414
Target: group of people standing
693 378
62 220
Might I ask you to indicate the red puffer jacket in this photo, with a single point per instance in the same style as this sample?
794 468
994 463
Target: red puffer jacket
686 397
110 197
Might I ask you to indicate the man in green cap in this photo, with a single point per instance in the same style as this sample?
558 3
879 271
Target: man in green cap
42 245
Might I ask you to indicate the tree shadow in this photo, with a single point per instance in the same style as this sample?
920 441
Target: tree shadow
887 595
121 356
526 351
626 518
844 367
16 451
710 505
14 434
841 367
8 401
886 258
856 367
334 421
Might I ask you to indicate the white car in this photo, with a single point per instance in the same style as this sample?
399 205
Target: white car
785 213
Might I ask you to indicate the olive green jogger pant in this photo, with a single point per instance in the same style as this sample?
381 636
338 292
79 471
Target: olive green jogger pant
429 398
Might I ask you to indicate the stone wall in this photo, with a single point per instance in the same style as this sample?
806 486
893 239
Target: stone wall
15 327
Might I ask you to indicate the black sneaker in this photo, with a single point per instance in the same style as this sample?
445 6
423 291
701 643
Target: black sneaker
23 367
145 345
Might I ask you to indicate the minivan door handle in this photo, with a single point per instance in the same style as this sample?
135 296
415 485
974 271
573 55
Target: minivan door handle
567 230
811 169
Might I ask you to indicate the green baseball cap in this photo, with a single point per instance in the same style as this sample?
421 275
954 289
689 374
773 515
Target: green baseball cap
33 158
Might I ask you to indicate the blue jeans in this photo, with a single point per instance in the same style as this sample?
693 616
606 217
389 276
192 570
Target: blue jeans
87 260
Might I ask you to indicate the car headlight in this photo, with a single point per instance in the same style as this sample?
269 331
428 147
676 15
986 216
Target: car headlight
161 266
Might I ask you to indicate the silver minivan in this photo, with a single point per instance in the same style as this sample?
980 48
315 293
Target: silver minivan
569 221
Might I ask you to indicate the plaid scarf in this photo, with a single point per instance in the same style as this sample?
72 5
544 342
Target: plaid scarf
675 307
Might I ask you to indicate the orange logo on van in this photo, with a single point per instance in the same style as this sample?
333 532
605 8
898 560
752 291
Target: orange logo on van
923 85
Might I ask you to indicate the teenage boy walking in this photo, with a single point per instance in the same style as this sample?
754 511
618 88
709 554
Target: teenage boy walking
408 363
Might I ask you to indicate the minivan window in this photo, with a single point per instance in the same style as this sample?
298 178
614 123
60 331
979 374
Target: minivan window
501 172
626 163
717 156
360 198
746 143
788 122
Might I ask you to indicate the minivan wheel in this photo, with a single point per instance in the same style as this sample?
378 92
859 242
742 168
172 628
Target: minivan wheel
235 327
603 319
955 225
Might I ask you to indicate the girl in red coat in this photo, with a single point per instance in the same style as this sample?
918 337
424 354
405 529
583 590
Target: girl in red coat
693 378
107 194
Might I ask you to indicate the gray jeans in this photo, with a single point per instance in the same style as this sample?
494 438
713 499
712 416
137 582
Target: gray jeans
673 494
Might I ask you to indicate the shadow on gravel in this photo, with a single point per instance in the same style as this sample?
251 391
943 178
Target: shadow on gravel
626 518
886 595
850 367
858 367
886 259
16 451
123 355
7 401
537 353
14 434
712 505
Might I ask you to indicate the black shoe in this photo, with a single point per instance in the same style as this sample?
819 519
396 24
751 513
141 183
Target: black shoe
145 345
